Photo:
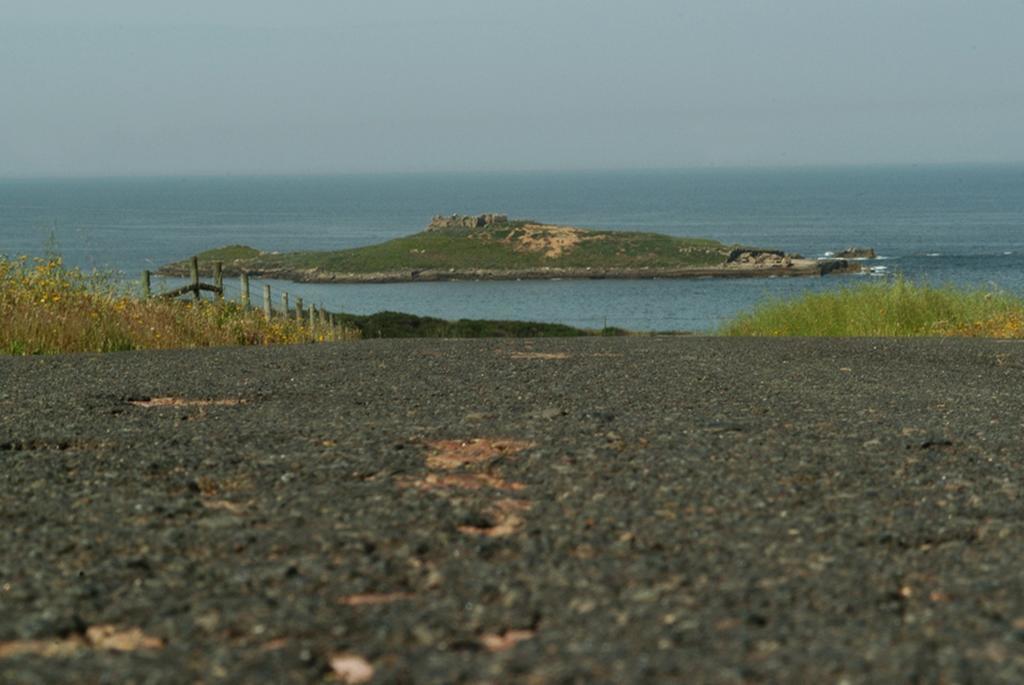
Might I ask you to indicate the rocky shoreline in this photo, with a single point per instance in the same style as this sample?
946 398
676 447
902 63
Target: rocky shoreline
784 267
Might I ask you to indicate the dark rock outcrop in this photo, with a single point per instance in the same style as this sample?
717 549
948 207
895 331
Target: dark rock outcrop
745 255
857 253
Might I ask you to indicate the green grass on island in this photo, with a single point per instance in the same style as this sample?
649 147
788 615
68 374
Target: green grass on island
500 246
884 309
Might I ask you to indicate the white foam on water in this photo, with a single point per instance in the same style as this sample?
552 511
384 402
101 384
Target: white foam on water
878 270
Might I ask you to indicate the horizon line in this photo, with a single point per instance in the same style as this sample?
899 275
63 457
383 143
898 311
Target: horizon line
808 166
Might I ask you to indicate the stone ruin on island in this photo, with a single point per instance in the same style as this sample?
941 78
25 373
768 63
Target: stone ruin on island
440 222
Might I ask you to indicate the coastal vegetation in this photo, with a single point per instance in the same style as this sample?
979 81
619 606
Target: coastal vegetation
48 308
399 325
896 308
492 246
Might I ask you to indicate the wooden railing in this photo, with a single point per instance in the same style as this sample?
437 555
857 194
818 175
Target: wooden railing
311 315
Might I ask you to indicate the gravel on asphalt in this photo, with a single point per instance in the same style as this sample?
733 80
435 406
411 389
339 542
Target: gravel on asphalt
627 510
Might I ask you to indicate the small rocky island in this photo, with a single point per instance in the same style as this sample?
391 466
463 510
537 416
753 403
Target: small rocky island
494 247
857 253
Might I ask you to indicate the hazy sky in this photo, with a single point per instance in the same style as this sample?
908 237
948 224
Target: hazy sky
312 86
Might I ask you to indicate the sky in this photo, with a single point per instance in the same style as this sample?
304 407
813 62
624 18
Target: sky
114 87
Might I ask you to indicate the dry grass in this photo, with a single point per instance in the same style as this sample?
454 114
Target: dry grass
48 308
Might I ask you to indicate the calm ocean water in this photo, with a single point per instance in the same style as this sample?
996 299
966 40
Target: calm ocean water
959 225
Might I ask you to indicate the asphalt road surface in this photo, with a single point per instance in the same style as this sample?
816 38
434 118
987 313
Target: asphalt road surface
626 510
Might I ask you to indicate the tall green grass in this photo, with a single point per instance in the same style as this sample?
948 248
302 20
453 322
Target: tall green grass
889 308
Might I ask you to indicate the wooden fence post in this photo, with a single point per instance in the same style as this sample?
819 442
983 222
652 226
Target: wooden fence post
284 304
298 309
244 283
312 318
194 273
218 278
146 292
268 311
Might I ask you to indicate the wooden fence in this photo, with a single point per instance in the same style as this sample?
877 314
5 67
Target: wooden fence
312 315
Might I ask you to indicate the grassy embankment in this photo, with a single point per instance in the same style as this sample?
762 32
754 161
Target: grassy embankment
517 245
47 308
897 308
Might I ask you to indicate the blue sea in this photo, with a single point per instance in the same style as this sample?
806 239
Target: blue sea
960 225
